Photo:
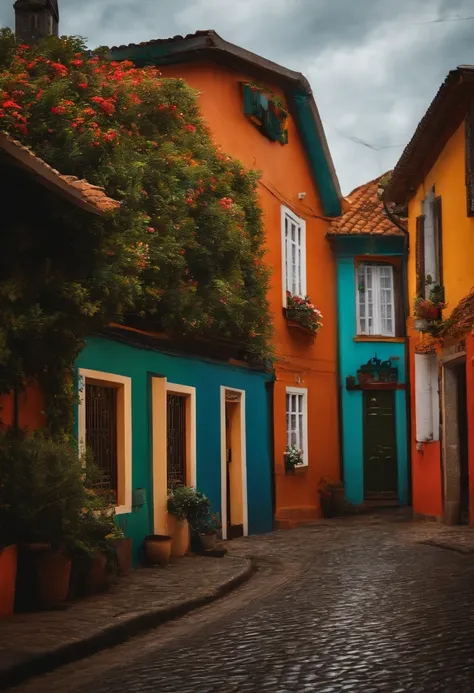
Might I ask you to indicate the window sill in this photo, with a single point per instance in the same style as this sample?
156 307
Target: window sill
378 338
296 471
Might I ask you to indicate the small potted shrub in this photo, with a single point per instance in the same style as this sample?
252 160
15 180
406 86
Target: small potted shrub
330 497
93 542
294 458
428 310
42 495
186 507
207 529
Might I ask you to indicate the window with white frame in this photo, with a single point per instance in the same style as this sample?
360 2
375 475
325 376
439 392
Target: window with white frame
375 300
426 398
294 254
297 419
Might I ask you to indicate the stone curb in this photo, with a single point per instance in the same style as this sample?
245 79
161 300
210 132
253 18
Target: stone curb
440 544
116 634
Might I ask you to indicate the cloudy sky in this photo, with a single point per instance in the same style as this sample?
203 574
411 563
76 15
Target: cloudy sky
374 65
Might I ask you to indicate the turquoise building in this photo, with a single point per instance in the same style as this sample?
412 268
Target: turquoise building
369 245
155 415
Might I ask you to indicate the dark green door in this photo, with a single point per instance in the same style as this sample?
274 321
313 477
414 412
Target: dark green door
380 445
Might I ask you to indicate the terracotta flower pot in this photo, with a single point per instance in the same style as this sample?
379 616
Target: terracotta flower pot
158 549
179 533
208 541
8 564
97 578
54 573
123 547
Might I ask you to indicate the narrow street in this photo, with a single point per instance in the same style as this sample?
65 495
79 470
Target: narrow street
359 605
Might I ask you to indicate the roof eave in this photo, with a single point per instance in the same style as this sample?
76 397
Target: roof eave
445 112
210 46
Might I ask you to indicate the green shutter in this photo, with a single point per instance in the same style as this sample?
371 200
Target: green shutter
251 101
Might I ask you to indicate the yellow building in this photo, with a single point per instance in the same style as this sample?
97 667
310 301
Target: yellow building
434 179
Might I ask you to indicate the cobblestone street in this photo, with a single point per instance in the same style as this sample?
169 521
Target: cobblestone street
363 605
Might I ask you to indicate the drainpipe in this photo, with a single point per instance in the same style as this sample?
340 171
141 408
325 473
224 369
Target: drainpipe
406 313
270 385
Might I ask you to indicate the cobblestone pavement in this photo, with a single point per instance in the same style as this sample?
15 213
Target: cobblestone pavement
364 606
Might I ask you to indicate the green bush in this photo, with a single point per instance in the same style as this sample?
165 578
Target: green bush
187 503
42 491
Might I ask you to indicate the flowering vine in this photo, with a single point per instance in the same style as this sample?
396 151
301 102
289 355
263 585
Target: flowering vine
185 250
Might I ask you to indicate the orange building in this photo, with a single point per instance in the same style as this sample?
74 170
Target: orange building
435 180
266 116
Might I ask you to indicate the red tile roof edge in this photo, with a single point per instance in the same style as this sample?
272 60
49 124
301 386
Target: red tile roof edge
366 215
80 192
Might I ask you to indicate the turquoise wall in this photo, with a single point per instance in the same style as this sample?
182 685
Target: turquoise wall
352 355
206 376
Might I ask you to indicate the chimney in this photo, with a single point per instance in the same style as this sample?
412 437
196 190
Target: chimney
36 19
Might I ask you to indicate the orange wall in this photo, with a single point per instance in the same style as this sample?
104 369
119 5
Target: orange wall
285 173
30 409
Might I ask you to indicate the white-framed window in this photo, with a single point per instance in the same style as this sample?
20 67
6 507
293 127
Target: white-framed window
375 300
293 231
297 419
105 427
426 398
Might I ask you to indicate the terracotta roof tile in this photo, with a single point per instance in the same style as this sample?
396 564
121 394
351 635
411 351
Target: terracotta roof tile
366 214
461 320
80 192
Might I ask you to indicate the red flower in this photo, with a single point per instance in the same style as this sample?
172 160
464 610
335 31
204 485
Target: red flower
10 104
190 128
77 62
83 85
60 69
58 110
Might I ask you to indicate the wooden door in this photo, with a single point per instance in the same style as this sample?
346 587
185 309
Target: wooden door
380 445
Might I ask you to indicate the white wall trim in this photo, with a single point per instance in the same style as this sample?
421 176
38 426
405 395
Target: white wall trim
191 393
301 391
243 442
124 443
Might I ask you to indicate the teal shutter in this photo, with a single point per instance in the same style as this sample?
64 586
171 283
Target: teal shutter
251 101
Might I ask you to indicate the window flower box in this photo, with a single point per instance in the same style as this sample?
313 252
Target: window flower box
302 315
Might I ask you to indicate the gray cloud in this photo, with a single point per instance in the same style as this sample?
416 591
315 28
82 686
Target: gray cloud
374 65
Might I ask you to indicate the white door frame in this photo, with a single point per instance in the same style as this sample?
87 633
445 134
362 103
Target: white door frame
243 445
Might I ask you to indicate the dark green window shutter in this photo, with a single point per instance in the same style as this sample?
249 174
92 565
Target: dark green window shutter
251 101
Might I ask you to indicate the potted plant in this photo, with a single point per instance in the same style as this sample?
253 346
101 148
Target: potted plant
207 529
186 506
301 313
158 549
293 457
8 566
429 309
327 497
42 495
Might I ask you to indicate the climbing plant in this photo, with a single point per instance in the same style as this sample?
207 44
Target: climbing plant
184 251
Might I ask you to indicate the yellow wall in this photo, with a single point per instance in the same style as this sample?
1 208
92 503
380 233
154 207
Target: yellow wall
448 177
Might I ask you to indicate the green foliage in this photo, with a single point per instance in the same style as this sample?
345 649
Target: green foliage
187 503
293 457
48 493
41 490
186 248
